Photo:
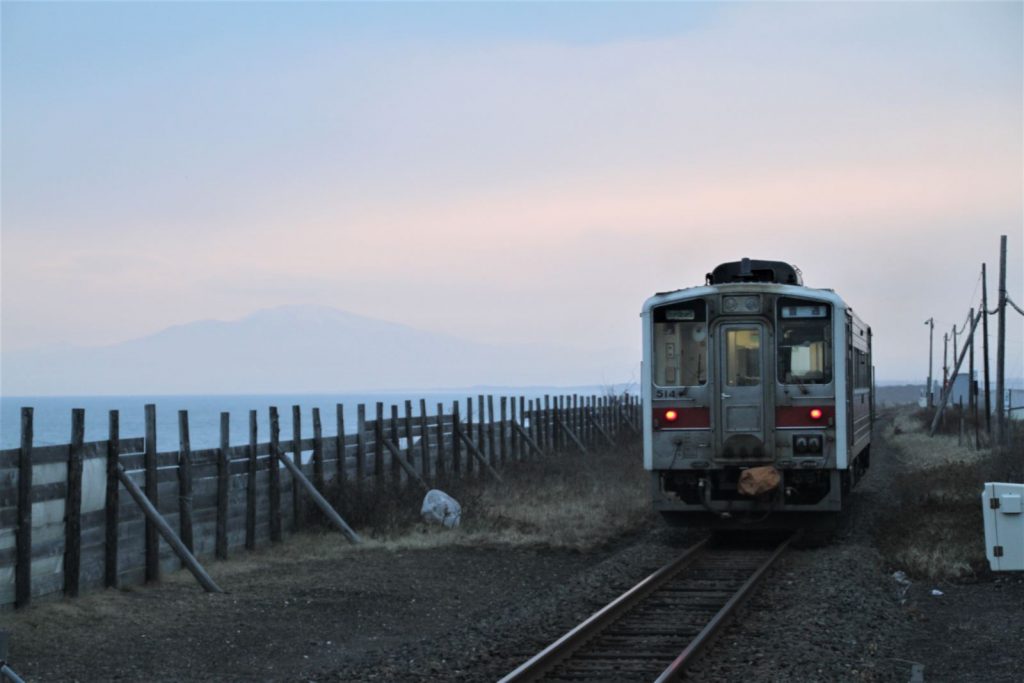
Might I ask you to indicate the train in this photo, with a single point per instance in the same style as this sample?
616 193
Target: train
758 399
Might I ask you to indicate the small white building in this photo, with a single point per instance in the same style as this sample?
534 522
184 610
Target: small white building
960 390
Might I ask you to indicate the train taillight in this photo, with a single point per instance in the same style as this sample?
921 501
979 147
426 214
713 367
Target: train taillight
682 418
799 416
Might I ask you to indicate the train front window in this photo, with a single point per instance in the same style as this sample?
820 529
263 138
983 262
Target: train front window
804 342
680 344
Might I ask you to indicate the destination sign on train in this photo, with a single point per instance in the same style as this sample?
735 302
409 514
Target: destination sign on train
680 314
804 311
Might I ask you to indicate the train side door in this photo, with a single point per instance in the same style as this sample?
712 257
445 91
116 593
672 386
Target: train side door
742 375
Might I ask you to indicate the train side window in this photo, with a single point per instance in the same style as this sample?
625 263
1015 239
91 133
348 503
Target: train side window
861 371
742 358
680 345
804 344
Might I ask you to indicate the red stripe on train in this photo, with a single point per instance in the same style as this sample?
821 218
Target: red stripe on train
682 418
804 416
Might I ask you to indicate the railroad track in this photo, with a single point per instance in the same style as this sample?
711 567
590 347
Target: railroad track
655 629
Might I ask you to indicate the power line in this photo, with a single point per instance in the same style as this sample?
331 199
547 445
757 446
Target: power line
1010 301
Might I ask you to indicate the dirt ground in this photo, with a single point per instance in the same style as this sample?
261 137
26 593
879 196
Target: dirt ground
422 608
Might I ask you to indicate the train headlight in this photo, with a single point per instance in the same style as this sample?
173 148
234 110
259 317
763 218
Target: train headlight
671 416
800 444
816 413
741 304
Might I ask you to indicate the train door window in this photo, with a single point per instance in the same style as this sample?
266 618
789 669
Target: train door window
680 344
742 357
804 342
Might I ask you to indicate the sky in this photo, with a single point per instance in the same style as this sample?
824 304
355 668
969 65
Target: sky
517 173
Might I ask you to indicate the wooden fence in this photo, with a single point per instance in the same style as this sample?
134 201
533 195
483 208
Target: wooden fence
66 525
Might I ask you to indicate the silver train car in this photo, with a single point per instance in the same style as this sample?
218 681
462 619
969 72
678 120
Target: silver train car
754 371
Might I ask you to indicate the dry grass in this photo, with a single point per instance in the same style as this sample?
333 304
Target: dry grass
565 501
934 529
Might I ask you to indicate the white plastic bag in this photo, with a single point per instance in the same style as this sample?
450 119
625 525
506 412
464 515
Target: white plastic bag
440 508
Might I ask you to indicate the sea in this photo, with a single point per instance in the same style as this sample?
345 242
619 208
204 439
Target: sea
52 414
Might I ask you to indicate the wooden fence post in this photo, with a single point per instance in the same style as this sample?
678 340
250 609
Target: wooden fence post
184 481
152 493
578 409
275 476
588 430
481 432
341 475
73 506
523 450
548 445
318 451
223 474
492 454
424 440
502 432
250 486
378 446
360 444
23 540
469 433
556 407
567 418
531 427
439 467
602 416
410 453
396 472
456 445
297 507
574 421
492 429
513 434
113 513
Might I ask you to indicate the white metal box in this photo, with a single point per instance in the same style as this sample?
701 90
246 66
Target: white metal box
1002 506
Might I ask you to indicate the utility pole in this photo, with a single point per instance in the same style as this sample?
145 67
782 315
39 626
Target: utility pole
1001 346
970 368
984 349
930 322
955 353
945 360
949 390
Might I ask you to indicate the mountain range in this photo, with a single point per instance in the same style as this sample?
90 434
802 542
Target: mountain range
302 349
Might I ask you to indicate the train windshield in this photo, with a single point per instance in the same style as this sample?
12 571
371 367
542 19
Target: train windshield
681 344
805 342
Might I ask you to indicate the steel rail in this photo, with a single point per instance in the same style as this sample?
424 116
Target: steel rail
721 618
578 645
535 667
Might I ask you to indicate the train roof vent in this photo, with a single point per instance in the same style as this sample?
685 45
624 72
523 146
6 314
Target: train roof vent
752 270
